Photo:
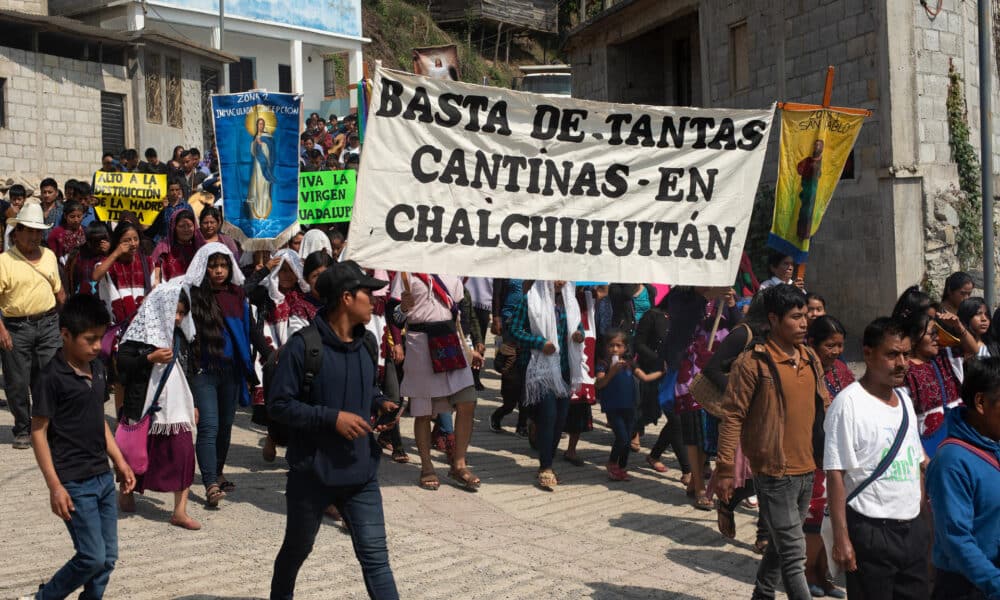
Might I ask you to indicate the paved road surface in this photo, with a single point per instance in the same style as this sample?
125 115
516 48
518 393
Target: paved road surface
591 538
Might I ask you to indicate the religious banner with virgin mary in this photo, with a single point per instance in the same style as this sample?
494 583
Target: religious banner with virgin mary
257 136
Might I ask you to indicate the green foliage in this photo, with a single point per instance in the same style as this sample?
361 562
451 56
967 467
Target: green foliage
970 234
760 227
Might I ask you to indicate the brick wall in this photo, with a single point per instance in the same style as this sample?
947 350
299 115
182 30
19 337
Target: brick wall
53 112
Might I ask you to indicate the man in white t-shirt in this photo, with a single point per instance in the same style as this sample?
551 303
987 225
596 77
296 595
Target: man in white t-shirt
880 540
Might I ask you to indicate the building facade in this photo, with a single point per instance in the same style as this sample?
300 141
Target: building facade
295 47
69 92
892 222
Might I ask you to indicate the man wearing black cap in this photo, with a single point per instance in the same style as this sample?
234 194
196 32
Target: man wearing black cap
332 453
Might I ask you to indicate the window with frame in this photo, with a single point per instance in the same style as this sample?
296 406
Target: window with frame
241 76
154 89
285 79
739 56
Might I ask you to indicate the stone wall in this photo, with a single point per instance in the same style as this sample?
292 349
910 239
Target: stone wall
53 114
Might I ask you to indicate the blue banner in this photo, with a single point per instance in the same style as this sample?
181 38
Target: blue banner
257 135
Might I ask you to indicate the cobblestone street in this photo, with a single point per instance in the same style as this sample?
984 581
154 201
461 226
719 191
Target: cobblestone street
591 538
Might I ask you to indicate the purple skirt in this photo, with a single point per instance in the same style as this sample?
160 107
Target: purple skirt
171 463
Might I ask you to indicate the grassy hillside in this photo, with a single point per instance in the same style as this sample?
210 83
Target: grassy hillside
397 26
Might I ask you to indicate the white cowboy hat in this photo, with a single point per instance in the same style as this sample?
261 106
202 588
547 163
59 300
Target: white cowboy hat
31 216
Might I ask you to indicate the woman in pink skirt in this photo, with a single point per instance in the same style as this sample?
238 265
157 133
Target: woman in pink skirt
154 362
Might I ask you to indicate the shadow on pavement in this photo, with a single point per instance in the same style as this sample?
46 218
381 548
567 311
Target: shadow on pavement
738 567
610 591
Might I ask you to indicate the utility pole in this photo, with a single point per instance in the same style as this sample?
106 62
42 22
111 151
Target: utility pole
222 21
986 145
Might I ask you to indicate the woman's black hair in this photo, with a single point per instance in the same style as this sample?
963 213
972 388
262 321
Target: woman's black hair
968 309
955 282
824 328
210 211
911 303
183 214
96 232
315 261
207 315
120 231
815 296
775 258
68 207
182 298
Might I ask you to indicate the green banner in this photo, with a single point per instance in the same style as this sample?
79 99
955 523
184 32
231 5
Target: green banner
326 196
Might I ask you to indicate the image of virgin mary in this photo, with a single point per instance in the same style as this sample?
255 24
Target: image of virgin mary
261 173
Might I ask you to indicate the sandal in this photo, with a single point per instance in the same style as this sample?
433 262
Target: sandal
656 465
399 455
760 546
547 480
751 503
227 486
429 481
576 461
703 503
213 494
465 477
726 521
188 523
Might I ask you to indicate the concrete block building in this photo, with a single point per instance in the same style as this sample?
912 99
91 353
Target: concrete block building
294 47
70 91
891 223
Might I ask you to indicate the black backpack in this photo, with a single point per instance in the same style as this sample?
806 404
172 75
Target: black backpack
312 362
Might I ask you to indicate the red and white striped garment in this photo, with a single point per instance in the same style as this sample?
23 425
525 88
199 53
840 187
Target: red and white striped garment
124 287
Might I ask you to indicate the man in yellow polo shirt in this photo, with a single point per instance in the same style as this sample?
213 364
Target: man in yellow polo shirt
30 291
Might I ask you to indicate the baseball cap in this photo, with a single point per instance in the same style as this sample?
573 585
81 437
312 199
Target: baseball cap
345 277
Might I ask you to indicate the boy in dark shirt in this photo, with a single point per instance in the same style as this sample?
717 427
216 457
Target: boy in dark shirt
72 443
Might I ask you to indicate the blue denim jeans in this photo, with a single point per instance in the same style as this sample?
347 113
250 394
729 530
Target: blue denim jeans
784 505
361 506
216 394
550 421
34 345
620 420
94 531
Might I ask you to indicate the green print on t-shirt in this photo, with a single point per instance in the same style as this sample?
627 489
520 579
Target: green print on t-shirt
903 468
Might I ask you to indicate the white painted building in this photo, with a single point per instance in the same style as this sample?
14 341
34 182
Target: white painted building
282 46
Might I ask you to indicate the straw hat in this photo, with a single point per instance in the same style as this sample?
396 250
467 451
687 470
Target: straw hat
31 216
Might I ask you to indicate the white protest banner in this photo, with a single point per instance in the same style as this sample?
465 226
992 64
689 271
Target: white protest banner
470 180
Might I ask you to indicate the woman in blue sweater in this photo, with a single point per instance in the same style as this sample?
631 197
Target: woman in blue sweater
221 353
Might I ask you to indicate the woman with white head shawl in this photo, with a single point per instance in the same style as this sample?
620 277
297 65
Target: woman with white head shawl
280 308
154 362
547 323
222 359
313 240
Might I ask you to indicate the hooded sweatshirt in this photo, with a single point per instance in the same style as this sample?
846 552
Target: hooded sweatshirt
345 382
965 495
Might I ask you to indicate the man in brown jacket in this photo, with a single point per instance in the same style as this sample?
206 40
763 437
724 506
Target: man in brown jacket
774 405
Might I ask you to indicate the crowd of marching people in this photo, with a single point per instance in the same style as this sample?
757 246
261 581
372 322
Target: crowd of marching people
888 472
